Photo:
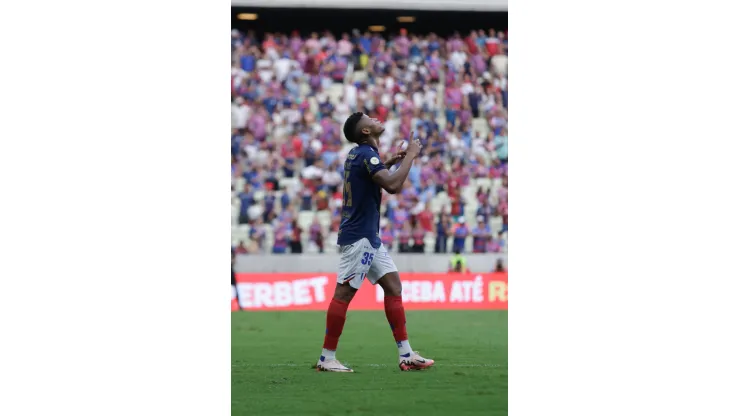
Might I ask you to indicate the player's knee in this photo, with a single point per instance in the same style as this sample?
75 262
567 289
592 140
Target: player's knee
391 284
344 292
393 291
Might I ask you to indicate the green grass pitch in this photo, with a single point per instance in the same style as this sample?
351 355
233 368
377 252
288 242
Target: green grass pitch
272 355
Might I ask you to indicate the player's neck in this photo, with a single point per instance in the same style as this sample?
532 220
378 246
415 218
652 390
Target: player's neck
371 143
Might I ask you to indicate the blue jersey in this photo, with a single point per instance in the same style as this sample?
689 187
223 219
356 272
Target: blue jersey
361 197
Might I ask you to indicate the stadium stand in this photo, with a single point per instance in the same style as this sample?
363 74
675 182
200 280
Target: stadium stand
290 97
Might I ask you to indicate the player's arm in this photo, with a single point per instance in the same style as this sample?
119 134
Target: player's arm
393 182
394 159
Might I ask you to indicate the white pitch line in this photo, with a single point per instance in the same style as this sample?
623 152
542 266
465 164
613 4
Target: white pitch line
307 365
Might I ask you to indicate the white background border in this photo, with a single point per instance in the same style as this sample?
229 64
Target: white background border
116 204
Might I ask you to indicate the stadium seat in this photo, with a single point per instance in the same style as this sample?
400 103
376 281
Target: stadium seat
481 124
468 247
239 182
305 89
334 92
496 223
259 195
305 219
309 247
240 233
289 184
436 205
359 76
429 241
324 218
469 194
442 197
234 215
484 183
331 241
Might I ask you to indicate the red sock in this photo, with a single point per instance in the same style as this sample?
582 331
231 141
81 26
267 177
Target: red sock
396 317
335 317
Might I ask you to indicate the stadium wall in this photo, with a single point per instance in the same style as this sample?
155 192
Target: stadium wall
471 5
313 291
327 263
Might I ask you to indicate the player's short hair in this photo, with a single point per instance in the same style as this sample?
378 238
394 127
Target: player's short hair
351 132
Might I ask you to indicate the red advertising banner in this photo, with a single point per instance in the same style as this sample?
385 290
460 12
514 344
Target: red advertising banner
313 291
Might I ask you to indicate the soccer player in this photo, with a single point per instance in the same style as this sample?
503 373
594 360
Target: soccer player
362 253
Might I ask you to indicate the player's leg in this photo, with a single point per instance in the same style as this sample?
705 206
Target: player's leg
385 273
353 267
336 315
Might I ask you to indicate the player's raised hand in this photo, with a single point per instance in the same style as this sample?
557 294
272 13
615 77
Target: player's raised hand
414 148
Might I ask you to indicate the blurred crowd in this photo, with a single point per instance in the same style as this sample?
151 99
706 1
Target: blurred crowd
290 97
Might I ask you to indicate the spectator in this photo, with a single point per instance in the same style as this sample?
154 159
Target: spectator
501 241
282 239
344 46
458 263
313 171
482 195
499 266
501 143
426 218
387 235
306 199
316 234
285 200
481 235
295 241
404 236
331 177
321 200
457 206
460 233
485 210
492 245
499 120
417 234
257 233
269 207
246 198
443 231
241 248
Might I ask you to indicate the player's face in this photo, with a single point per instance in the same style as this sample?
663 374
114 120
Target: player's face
375 127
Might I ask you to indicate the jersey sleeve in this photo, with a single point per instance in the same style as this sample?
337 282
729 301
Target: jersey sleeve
372 163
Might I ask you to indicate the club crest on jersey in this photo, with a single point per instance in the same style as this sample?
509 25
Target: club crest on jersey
374 160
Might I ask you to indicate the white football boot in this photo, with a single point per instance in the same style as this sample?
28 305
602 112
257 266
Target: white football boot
332 365
414 362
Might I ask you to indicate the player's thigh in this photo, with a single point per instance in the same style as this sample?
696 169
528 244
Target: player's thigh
355 261
382 265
